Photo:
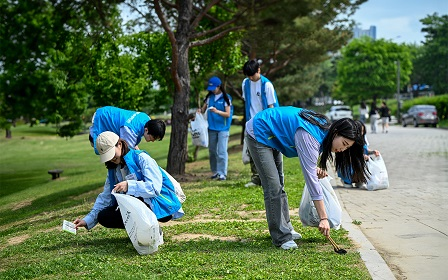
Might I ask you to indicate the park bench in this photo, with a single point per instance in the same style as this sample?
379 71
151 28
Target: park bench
55 173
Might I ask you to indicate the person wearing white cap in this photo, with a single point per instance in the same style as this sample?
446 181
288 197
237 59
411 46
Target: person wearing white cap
137 175
219 118
129 125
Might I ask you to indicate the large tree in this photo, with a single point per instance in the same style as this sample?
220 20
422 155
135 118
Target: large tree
189 24
431 63
281 31
45 53
293 38
368 69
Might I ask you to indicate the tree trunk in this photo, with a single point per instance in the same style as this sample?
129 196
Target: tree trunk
8 133
178 153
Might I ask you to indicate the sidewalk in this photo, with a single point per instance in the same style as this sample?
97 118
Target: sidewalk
406 225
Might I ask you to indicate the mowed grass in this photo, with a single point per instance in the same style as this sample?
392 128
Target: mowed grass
222 236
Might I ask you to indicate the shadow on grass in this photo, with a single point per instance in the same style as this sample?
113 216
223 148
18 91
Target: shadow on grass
14 183
52 202
96 246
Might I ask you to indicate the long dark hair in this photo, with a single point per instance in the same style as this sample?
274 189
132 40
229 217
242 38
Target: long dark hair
124 150
224 94
351 158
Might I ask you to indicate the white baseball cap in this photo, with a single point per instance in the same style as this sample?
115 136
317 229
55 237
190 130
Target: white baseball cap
105 144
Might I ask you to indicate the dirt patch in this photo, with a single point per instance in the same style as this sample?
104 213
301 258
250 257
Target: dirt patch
189 236
189 177
22 204
18 239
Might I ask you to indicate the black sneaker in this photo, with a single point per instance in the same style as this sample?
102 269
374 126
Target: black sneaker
215 176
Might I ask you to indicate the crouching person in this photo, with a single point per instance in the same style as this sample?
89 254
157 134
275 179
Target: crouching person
134 173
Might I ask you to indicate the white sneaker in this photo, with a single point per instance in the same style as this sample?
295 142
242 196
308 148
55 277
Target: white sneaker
250 184
295 235
348 186
222 177
288 245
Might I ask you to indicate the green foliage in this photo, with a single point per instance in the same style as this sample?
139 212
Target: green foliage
222 236
368 69
125 69
302 83
46 49
431 63
71 129
292 38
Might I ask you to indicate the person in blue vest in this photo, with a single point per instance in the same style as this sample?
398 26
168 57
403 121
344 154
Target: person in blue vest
296 132
347 181
129 125
258 94
219 109
134 173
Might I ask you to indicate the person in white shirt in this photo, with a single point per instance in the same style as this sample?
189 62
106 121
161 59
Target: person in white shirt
258 94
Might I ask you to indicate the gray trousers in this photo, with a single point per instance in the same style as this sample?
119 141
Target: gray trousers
269 163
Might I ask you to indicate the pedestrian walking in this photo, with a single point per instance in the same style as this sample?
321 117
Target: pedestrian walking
373 115
363 112
385 116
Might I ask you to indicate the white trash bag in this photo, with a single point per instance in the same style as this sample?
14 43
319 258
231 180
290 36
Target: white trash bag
177 188
308 213
245 153
141 224
199 131
379 178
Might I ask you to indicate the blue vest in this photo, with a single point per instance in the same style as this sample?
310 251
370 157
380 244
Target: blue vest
276 128
349 180
112 119
215 121
264 101
166 203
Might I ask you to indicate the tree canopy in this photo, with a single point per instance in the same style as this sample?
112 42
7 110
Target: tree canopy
45 53
368 69
431 63
292 38
59 58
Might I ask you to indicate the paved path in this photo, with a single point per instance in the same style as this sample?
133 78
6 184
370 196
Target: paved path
407 223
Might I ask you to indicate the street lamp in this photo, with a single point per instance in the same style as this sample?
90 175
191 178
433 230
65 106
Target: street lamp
398 91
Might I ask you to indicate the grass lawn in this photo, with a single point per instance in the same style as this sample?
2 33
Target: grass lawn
222 236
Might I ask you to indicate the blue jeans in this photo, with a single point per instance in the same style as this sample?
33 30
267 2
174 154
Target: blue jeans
217 149
269 163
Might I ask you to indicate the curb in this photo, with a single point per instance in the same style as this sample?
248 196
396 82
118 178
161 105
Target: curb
375 264
373 261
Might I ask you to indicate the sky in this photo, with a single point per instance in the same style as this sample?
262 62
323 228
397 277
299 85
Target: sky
398 20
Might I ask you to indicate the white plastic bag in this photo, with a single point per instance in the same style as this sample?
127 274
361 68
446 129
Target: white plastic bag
141 224
199 131
308 213
245 153
177 188
379 178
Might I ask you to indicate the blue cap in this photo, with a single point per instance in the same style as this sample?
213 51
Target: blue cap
213 83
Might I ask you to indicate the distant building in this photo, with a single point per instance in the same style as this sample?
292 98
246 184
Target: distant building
371 32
